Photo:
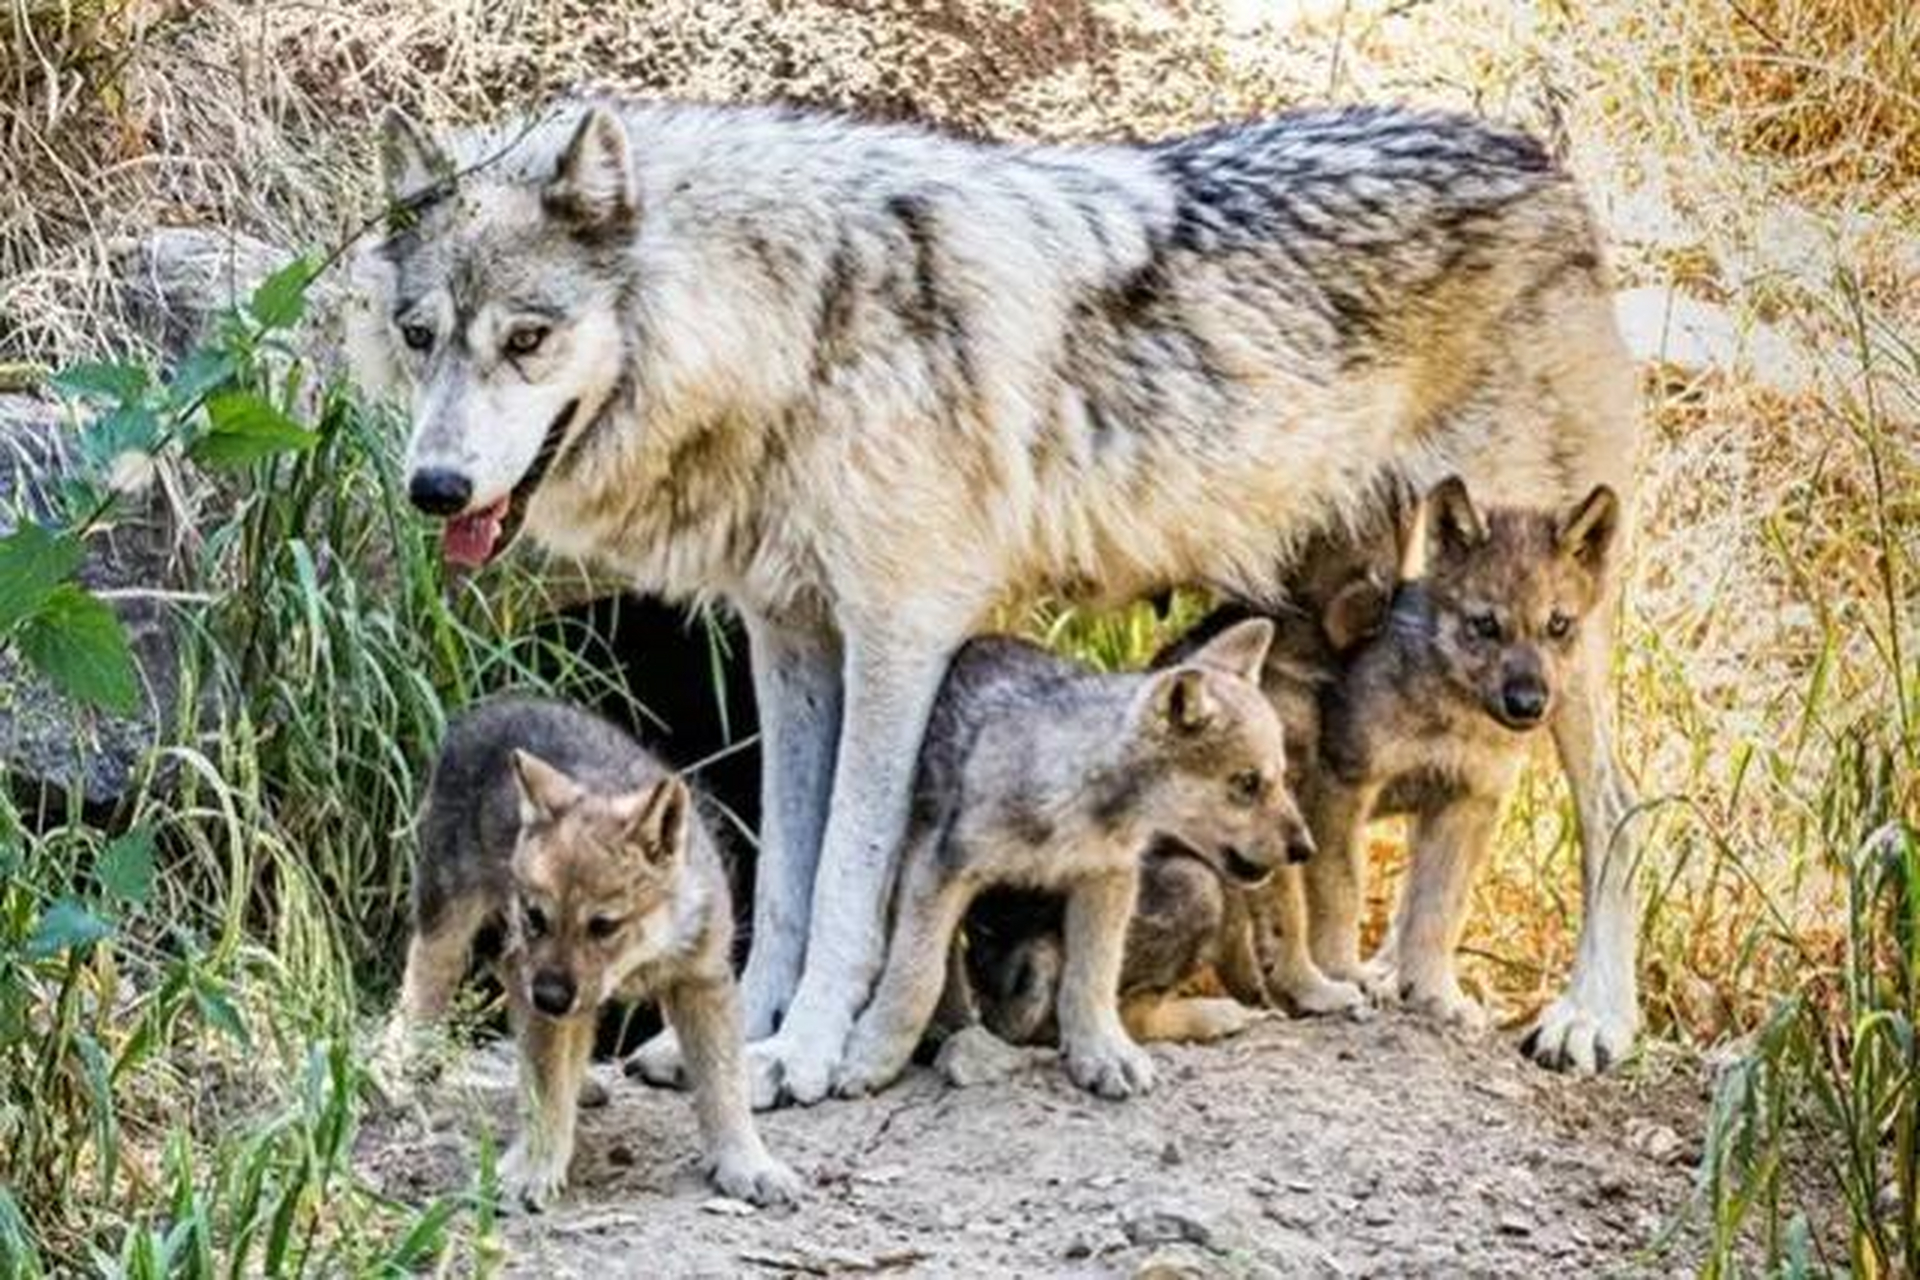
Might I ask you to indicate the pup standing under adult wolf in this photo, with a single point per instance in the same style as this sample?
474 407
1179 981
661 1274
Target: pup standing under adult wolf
870 382
556 826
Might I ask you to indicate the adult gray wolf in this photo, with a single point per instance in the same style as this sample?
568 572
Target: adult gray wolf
1040 773
553 824
868 383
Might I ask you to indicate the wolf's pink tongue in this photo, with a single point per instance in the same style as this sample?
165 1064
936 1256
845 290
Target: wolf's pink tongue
468 540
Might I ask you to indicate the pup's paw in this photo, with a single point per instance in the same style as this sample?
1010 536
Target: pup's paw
756 1178
1571 1036
403 1059
659 1062
594 1094
1316 995
529 1182
1113 1067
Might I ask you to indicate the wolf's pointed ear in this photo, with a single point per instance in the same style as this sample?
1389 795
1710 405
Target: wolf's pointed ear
1587 533
545 792
410 160
1357 613
594 184
1240 650
658 825
1181 702
1454 526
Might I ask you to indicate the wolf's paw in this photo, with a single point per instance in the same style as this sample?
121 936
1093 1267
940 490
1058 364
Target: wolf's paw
792 1067
755 1177
1569 1036
401 1061
529 1182
1318 995
1437 996
1113 1067
869 1067
658 1062
975 1056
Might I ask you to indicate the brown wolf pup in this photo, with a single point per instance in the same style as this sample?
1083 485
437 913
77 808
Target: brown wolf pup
1433 718
1039 773
560 828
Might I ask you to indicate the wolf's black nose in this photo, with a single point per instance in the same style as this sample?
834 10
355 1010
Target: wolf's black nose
1300 848
553 994
438 491
1525 701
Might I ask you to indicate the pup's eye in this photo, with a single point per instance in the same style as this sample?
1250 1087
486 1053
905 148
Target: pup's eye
525 339
536 921
417 336
1246 786
1483 626
1559 625
600 928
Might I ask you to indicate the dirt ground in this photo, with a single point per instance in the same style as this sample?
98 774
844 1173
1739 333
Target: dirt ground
1327 1148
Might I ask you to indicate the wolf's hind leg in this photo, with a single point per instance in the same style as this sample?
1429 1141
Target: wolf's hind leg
1185 1019
437 960
1336 876
1593 1024
1292 973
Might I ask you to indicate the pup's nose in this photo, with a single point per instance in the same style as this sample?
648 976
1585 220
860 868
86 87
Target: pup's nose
1525 701
553 994
1300 848
439 491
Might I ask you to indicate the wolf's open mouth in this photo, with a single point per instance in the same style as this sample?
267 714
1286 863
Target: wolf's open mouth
472 540
1243 868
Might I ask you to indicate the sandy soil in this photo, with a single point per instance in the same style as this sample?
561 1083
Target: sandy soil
1308 1148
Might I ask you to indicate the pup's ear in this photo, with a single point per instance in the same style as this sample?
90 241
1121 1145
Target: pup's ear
1587 533
1181 702
545 792
658 825
1240 650
410 160
594 186
1454 526
1357 613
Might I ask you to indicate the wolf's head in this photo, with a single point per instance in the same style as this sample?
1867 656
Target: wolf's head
1511 590
494 302
594 877
1212 758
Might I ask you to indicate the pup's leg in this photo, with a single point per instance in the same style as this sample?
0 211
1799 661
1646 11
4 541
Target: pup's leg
707 1017
437 958
891 682
1099 1055
1593 1024
1448 846
796 686
1239 964
553 1062
1158 1017
1292 972
927 914
1336 876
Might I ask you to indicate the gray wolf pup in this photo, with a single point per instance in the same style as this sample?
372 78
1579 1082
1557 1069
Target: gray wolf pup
555 825
1039 773
868 383
1433 718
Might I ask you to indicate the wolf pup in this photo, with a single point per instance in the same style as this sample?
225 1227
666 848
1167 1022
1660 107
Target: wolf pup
560 828
1039 773
869 382
1433 718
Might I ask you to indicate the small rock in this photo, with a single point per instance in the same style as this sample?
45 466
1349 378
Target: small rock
727 1207
1657 1142
1168 1266
975 1056
882 1176
1378 1214
1512 1224
1165 1223
1171 1155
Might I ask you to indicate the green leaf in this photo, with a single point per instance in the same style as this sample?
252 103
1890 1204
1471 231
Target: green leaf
217 1011
202 371
77 643
127 428
125 867
281 298
102 380
66 924
33 561
243 428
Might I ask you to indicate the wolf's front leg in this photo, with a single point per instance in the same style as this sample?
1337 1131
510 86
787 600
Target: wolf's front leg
1099 1054
553 1062
796 685
1593 1024
1416 963
1287 927
706 1016
891 682
1336 875
929 908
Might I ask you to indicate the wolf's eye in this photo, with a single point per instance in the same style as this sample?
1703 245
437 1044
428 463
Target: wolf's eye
1559 625
1246 786
1483 626
525 339
417 336
536 921
600 928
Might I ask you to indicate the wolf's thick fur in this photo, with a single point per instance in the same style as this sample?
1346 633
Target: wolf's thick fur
554 825
868 382
1042 774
